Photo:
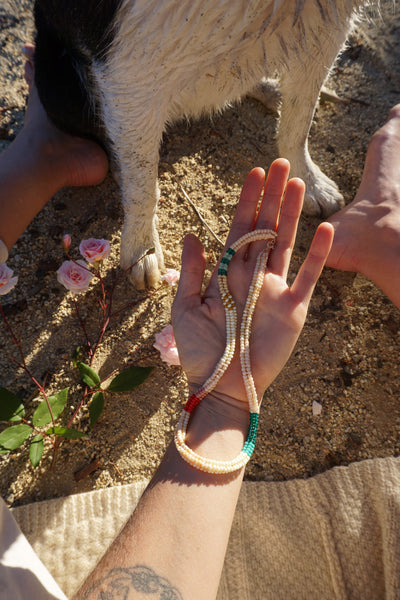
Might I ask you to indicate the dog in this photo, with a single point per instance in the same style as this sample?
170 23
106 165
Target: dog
119 71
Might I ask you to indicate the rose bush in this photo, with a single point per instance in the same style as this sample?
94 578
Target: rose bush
166 345
75 276
94 250
7 281
51 423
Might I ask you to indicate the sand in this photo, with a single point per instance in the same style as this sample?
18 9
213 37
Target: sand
346 358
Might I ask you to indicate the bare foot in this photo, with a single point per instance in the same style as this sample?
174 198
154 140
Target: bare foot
367 231
77 161
39 162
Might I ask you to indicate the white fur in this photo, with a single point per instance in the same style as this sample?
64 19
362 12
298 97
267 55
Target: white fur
171 58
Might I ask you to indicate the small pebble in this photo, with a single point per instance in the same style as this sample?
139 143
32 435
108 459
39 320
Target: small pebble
316 408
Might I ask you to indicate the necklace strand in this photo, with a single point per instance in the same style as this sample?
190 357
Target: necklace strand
222 466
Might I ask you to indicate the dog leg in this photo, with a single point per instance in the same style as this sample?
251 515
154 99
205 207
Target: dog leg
139 236
134 128
300 88
135 159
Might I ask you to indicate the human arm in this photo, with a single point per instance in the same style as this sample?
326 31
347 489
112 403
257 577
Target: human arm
178 534
367 231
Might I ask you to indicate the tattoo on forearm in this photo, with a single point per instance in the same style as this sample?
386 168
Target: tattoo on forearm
121 584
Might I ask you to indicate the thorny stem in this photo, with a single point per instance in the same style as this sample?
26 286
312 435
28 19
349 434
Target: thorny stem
23 365
16 342
82 324
77 409
106 310
52 442
80 404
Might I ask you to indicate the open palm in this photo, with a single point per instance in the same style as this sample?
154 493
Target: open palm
199 320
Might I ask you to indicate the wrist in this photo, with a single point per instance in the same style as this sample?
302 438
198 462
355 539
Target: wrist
222 407
218 427
223 404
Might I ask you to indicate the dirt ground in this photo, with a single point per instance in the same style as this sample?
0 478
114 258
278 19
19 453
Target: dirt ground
347 358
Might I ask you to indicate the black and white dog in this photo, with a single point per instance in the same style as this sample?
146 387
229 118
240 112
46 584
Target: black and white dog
119 70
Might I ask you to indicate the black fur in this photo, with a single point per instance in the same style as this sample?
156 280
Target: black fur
69 35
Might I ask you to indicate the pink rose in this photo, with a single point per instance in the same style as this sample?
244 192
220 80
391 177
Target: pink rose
94 250
171 276
166 345
66 241
74 276
7 281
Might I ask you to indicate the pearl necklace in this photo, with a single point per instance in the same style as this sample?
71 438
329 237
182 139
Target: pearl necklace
197 461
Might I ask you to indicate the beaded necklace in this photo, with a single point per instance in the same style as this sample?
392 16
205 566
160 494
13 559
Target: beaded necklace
221 466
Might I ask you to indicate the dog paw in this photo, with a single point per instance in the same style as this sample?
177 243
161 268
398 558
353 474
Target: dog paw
143 264
322 197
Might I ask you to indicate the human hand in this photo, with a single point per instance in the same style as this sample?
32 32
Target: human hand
199 320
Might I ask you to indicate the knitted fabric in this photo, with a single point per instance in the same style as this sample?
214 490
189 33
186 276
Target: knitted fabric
332 537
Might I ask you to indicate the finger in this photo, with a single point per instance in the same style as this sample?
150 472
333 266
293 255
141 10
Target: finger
287 228
244 218
192 272
307 277
274 189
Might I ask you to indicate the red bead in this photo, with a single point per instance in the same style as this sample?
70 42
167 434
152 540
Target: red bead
191 403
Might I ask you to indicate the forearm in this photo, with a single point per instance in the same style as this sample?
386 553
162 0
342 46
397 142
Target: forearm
181 526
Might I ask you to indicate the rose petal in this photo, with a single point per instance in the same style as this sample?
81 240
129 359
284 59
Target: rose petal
166 345
94 250
171 276
7 281
74 276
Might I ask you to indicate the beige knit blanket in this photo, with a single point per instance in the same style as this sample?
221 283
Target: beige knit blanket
334 536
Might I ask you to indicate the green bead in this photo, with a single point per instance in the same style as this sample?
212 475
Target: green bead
248 448
250 442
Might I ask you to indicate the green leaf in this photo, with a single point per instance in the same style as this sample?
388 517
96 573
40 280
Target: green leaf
66 432
42 415
4 451
36 450
129 379
78 355
89 377
14 436
11 407
96 408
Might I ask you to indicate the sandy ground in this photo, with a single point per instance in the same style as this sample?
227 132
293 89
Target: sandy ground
347 356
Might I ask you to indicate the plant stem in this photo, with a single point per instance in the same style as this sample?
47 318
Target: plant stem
106 310
23 365
82 324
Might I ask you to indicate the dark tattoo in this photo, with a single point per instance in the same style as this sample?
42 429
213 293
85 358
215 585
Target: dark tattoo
121 584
